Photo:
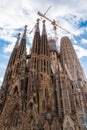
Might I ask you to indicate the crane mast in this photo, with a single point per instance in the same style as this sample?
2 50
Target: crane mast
53 22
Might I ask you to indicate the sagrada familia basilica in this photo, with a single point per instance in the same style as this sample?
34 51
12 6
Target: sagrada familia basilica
45 90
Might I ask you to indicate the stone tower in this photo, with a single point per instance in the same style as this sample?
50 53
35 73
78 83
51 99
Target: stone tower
69 58
45 90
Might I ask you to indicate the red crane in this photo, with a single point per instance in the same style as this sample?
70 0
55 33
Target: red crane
55 25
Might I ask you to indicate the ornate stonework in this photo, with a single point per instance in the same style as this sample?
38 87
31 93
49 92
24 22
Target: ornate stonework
45 90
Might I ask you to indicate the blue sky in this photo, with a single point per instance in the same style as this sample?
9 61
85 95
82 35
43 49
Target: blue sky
14 15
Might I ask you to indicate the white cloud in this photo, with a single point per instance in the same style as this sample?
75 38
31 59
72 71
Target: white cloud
28 47
15 14
81 52
1 79
8 48
84 41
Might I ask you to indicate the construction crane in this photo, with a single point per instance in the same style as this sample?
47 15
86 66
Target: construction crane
40 19
55 25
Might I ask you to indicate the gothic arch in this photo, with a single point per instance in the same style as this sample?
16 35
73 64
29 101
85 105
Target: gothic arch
15 90
68 124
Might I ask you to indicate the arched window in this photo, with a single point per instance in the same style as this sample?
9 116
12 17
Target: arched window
15 91
31 105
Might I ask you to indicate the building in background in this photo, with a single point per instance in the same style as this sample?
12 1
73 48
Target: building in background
45 90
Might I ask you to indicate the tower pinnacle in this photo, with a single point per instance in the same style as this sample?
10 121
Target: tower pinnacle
36 40
17 42
44 28
25 30
37 25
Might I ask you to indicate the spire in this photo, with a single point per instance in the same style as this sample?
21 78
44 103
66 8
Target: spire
69 57
22 46
44 47
44 28
25 30
37 26
36 39
17 42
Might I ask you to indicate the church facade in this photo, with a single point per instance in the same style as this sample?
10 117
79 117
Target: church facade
45 90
